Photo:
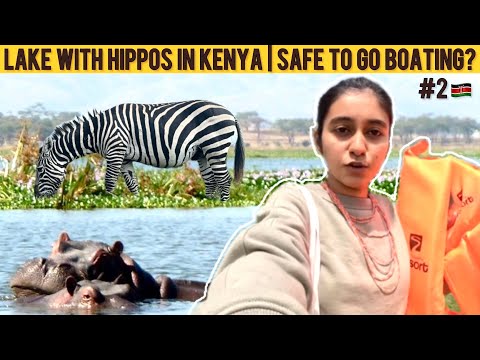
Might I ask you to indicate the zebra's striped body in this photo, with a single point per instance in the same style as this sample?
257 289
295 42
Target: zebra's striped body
161 135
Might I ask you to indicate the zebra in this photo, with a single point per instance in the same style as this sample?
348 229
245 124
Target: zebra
164 135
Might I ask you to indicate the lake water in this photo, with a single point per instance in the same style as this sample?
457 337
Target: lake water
276 164
177 242
265 164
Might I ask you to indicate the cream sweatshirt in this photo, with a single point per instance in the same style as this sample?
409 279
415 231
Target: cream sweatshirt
266 267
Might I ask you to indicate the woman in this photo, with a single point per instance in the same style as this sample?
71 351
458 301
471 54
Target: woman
362 263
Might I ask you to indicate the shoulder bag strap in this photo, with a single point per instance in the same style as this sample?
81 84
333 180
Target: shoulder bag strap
314 250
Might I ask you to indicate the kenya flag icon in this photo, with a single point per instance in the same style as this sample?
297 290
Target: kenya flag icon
462 90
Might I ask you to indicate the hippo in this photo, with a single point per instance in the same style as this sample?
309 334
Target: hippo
86 295
96 260
188 290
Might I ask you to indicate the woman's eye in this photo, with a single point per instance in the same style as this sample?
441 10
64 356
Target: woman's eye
375 132
341 130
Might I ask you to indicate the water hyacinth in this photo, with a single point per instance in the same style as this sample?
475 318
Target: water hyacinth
83 188
266 179
386 182
388 175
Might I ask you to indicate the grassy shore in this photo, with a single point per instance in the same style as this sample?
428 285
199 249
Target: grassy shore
304 152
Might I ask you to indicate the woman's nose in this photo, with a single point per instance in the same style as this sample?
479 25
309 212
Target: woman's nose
357 144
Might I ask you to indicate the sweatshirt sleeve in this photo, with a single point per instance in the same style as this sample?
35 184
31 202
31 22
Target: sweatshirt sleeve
266 268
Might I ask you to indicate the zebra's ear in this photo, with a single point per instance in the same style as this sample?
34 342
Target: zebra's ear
47 145
41 149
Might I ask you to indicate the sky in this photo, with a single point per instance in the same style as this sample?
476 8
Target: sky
272 96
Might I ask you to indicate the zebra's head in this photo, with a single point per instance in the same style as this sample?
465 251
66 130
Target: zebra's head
50 171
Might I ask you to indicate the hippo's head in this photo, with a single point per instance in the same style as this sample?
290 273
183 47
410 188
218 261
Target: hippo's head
92 295
86 296
81 260
41 276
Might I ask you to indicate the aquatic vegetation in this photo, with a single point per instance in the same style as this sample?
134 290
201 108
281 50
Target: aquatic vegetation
83 188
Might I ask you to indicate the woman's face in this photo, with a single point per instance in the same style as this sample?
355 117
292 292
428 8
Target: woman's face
355 141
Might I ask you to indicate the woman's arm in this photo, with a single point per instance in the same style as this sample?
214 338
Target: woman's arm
266 268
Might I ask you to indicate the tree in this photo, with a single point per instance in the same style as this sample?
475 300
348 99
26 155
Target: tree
251 118
292 127
467 127
243 119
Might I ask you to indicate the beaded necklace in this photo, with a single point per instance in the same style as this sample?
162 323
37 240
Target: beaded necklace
379 270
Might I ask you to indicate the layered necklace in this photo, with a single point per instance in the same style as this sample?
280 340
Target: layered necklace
380 270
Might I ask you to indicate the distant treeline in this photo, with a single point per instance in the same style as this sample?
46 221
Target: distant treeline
441 129
38 120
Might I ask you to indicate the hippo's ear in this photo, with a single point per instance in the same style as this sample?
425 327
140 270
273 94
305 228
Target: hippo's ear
117 247
63 237
58 246
71 284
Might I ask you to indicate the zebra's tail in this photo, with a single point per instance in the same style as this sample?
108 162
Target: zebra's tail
239 162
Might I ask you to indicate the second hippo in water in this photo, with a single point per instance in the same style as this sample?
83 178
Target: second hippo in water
85 296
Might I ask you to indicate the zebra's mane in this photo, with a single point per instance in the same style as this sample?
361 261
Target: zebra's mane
72 124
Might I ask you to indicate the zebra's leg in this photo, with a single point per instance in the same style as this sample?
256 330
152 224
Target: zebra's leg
208 177
128 173
114 164
224 180
218 163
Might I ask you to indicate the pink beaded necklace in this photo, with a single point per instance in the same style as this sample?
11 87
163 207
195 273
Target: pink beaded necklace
380 271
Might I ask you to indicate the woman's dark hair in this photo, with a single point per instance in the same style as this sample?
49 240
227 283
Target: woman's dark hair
332 94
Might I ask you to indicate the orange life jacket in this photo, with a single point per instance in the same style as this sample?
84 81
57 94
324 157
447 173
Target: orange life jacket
438 203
